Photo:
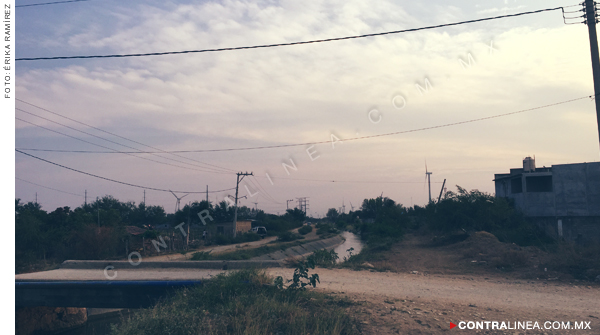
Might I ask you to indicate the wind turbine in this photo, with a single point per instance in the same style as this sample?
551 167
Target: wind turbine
178 200
428 177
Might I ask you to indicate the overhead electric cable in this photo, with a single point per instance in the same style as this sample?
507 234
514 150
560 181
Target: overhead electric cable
116 151
122 137
293 43
50 3
341 140
50 188
349 181
206 169
259 187
119 182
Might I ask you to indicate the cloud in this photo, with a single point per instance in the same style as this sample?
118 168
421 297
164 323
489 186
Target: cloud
305 93
502 10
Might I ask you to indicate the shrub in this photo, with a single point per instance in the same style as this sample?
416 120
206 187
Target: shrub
324 258
305 230
327 229
242 302
246 237
201 256
288 236
221 239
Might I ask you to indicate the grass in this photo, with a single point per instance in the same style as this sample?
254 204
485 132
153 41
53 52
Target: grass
242 302
245 254
305 230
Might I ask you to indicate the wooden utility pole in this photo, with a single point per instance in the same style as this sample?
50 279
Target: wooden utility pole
236 199
206 194
590 16
441 191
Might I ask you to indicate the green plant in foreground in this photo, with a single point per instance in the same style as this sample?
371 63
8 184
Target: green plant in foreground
300 273
242 302
349 251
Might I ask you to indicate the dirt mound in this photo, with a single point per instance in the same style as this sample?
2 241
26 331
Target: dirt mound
484 248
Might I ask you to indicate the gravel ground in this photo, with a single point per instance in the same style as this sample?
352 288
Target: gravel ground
405 303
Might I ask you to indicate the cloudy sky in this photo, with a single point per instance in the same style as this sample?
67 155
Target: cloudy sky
323 92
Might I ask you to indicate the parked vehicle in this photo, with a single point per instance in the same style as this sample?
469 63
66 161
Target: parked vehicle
261 231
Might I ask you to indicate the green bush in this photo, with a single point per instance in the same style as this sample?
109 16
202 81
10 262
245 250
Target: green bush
324 258
288 236
472 211
327 229
201 256
221 239
151 234
246 237
305 230
242 302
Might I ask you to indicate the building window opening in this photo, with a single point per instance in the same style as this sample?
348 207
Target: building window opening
539 184
516 186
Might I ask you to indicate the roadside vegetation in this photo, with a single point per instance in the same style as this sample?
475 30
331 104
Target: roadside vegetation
245 302
244 254
485 230
97 230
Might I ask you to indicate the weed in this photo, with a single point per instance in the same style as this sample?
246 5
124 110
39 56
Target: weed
288 236
242 302
301 279
323 258
201 256
305 230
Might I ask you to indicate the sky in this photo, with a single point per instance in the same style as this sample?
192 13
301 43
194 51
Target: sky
322 92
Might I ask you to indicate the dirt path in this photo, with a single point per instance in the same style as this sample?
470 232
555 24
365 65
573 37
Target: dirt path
417 304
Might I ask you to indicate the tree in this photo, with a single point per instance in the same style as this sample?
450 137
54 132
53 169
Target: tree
332 214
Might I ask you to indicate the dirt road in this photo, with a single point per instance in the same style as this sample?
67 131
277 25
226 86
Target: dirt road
416 304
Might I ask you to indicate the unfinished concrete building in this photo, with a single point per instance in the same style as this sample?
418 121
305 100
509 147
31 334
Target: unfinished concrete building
563 199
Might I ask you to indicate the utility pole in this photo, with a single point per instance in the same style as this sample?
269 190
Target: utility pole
206 194
287 203
36 197
590 15
236 198
441 191
98 203
303 204
85 199
187 237
144 197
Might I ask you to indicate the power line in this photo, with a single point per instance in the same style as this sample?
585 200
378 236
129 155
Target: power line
113 150
294 43
122 137
329 141
50 188
49 3
350 181
116 181
257 184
